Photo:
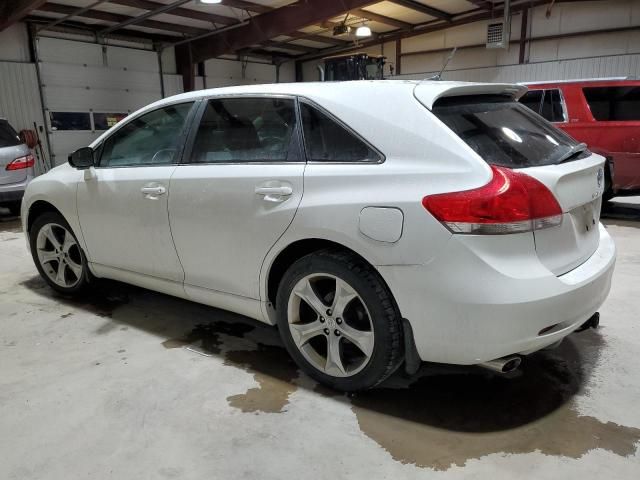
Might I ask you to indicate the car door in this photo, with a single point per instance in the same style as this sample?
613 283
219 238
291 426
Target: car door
122 203
237 194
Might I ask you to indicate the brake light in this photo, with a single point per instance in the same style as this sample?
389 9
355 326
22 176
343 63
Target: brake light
512 202
21 162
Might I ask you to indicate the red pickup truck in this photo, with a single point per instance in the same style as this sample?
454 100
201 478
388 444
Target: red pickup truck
604 114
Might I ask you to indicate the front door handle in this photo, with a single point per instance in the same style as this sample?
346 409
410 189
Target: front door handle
153 191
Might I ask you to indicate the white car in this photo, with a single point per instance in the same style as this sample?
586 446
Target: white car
374 223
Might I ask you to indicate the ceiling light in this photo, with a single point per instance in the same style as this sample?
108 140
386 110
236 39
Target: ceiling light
363 31
209 2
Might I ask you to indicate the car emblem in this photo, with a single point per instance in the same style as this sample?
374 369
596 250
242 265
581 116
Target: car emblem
600 177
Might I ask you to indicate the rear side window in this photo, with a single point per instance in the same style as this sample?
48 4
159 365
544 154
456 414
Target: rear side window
8 136
547 103
502 131
328 141
614 103
245 130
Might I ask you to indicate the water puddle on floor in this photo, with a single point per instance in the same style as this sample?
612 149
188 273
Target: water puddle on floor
441 420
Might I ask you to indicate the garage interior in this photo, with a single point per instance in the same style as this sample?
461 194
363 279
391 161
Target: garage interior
129 383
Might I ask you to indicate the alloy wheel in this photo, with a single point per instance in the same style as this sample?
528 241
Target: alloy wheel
330 325
59 255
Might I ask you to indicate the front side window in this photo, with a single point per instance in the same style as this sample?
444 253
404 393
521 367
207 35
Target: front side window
245 130
154 138
504 132
614 103
328 141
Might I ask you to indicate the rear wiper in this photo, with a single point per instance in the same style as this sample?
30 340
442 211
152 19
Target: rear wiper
572 152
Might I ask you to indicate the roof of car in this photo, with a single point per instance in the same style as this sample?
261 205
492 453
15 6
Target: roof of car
429 88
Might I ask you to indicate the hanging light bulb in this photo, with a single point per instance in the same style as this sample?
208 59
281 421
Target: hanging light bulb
363 31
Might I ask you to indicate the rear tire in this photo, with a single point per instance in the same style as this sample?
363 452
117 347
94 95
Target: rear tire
338 321
58 255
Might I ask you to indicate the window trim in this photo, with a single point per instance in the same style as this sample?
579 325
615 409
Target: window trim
563 103
204 101
182 137
302 99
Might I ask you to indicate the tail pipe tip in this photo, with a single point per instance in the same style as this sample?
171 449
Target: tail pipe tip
503 365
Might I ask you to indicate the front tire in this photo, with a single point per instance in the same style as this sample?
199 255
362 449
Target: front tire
58 255
339 321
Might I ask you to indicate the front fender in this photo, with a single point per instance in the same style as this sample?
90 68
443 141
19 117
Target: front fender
58 188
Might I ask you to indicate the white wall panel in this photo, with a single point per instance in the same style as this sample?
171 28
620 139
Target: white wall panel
67 51
173 84
14 43
132 59
73 99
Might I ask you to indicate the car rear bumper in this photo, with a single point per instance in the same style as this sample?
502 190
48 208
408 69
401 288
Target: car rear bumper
13 192
478 301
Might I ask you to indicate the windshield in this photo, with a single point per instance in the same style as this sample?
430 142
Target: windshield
8 136
506 133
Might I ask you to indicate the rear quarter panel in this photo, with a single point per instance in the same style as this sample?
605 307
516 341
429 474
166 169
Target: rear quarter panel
421 157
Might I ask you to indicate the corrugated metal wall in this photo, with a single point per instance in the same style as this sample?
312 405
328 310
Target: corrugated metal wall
20 100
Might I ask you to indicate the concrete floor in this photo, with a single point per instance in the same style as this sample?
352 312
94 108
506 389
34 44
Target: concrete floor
130 384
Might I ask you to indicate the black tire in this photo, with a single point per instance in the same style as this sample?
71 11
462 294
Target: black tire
84 278
386 321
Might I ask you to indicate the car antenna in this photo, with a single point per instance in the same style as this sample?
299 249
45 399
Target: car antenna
438 76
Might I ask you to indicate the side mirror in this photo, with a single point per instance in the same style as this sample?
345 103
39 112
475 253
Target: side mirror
82 158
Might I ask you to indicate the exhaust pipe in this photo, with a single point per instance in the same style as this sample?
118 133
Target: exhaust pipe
502 365
593 322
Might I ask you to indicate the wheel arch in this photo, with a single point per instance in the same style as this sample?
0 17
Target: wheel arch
36 209
298 249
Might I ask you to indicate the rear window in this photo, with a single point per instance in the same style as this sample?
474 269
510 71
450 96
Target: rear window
504 132
614 103
8 136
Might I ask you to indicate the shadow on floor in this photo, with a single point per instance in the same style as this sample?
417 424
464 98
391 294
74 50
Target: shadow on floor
8 222
442 416
622 214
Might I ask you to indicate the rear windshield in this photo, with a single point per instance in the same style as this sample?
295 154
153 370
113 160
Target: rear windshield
614 103
504 132
8 136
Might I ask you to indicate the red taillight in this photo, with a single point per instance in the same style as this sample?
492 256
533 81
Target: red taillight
511 202
21 162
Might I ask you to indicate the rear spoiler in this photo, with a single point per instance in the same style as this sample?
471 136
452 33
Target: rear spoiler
428 93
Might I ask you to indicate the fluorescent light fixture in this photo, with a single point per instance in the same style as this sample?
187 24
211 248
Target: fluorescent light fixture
363 31
209 2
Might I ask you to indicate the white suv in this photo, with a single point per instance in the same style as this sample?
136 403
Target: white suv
375 222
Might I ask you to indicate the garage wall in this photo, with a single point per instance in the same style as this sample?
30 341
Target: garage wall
88 79
19 96
583 56
223 73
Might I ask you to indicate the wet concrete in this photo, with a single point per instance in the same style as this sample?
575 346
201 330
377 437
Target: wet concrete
241 408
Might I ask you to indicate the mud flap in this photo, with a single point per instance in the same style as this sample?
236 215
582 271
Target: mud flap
412 360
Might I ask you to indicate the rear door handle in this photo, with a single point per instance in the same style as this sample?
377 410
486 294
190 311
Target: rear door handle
281 191
153 191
